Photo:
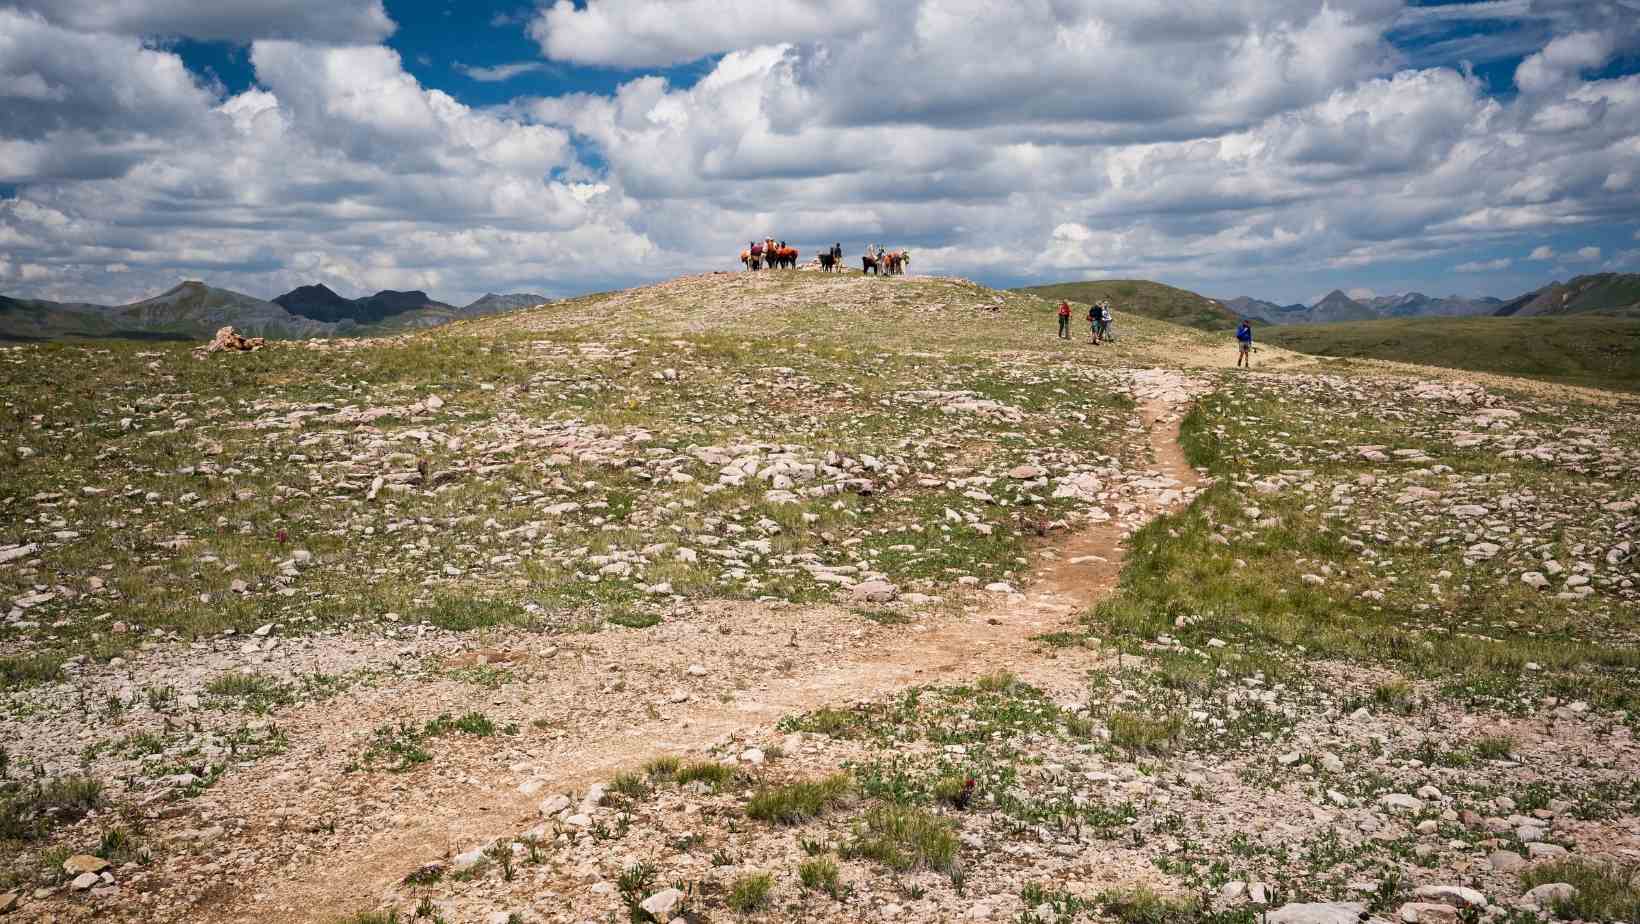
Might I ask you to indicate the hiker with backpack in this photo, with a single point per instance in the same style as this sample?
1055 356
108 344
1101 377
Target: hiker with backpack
1064 320
1093 323
1105 330
1244 338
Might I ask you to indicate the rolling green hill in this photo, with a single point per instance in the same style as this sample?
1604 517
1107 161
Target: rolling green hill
1151 299
1601 293
1591 350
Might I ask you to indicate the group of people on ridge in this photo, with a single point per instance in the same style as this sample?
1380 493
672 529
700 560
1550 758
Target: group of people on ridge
1100 329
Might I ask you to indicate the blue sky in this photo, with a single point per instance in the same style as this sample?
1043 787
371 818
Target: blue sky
440 42
1280 148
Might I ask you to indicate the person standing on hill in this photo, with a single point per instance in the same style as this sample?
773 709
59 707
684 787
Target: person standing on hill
1104 322
1064 320
1244 338
1093 323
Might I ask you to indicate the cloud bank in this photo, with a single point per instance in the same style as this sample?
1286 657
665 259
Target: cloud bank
1212 145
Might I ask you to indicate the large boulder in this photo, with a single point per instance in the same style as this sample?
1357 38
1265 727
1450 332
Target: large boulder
229 340
875 591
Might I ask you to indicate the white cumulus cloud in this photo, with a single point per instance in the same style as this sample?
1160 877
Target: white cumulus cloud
657 33
1203 144
1562 59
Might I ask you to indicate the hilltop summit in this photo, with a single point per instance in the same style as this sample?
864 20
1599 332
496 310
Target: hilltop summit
317 302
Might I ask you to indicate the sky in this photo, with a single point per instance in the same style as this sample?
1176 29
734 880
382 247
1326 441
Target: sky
1273 148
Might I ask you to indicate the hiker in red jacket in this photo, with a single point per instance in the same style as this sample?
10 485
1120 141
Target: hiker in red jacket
1064 320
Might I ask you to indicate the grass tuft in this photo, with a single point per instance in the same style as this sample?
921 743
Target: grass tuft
634 619
798 802
464 614
29 670
996 682
1142 906
750 892
820 874
1605 892
34 810
709 772
833 723
630 785
903 838
664 767
1144 734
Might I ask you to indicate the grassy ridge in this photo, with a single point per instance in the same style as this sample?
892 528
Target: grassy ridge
1151 299
1597 351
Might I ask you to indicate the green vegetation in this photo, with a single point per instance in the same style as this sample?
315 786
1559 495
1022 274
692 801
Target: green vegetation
1132 731
465 614
593 485
837 723
390 916
750 892
1251 591
1143 906
1138 296
242 686
820 874
1600 352
796 803
996 681
630 786
904 839
1605 892
710 772
401 747
29 811
635 884
1601 293
634 620
29 669
664 767
438 545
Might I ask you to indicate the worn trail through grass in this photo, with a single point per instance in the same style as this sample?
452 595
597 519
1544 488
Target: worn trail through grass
1079 570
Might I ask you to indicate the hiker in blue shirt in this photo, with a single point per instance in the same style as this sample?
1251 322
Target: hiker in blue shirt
1244 336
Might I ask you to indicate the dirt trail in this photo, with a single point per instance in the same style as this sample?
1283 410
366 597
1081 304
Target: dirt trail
1077 571
1268 358
1265 357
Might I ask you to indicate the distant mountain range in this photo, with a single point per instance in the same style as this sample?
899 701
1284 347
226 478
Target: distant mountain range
193 310
1601 293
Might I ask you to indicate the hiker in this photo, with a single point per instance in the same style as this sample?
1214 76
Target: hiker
1104 322
1093 323
1064 320
1244 337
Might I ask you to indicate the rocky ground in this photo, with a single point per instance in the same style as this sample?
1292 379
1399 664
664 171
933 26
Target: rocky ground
786 596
